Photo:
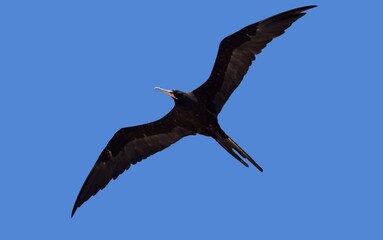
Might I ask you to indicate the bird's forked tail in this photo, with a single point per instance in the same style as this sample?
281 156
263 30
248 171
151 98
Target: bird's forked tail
230 146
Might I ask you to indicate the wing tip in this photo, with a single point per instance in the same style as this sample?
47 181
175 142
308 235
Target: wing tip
75 207
310 6
300 11
305 8
73 211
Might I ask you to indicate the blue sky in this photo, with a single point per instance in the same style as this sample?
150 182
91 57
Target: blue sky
309 110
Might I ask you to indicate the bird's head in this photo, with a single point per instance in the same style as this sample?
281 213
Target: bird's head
175 94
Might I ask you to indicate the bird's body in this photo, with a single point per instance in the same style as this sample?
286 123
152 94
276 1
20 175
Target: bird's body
191 114
194 112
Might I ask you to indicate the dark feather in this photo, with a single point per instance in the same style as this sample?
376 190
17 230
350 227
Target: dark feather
129 146
235 54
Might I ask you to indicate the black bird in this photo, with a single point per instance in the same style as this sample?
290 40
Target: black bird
194 112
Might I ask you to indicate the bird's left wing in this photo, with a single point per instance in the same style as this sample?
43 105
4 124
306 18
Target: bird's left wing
129 146
235 54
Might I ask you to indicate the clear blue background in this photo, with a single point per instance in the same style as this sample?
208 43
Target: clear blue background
309 110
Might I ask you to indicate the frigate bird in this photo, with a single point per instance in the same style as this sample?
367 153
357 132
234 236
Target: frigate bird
194 112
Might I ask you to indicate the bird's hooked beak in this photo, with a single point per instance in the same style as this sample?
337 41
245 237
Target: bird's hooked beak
167 92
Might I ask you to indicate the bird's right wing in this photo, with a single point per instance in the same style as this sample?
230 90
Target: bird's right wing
129 146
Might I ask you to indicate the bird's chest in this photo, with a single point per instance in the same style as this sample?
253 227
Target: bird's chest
197 119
